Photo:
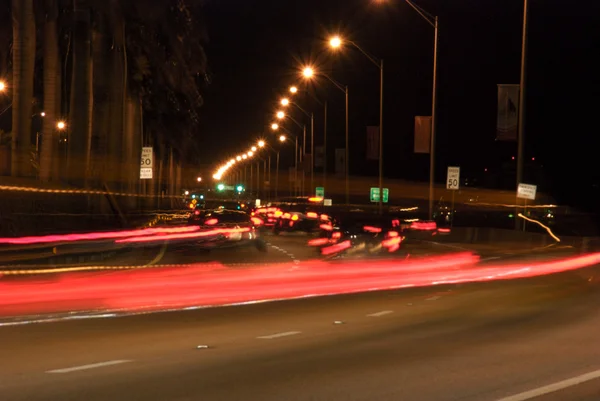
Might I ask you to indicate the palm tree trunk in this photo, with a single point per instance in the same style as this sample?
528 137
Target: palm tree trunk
23 69
100 117
49 132
81 96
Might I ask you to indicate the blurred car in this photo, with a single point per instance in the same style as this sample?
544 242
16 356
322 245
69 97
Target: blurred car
225 205
300 214
268 214
358 232
224 228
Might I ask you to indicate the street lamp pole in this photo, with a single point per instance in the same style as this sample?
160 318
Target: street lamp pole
312 151
277 176
325 148
433 21
521 126
347 158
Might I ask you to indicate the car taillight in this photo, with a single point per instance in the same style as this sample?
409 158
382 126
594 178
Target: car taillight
326 227
295 217
312 215
286 216
257 221
393 234
196 212
324 217
278 213
211 222
423 225
371 229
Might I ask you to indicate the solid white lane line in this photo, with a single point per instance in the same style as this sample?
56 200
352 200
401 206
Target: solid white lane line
90 366
277 335
527 395
434 298
382 313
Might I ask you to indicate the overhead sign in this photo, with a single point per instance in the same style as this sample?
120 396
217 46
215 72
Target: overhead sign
526 191
453 178
320 192
327 202
146 163
374 195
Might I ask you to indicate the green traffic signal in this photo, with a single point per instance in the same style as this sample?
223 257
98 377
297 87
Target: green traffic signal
239 188
221 187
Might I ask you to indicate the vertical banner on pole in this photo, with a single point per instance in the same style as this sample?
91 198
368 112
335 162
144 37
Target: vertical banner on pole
340 161
373 143
507 122
422 134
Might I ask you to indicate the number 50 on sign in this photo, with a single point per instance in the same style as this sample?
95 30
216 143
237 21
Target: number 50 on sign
453 180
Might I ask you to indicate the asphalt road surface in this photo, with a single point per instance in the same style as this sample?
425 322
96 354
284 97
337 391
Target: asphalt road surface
494 341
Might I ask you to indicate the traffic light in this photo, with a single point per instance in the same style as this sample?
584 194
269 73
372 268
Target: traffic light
221 187
240 188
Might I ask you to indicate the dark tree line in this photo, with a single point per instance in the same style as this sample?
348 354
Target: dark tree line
120 74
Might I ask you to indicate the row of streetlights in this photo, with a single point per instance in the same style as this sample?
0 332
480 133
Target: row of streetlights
247 156
309 72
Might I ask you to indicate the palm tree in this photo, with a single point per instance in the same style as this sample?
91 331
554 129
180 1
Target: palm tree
51 71
22 85
80 110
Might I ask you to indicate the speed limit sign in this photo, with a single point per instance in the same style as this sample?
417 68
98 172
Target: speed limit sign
453 180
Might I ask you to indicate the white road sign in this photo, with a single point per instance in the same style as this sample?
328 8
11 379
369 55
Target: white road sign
453 180
526 191
146 163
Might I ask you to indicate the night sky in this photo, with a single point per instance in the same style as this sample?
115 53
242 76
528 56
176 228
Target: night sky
256 48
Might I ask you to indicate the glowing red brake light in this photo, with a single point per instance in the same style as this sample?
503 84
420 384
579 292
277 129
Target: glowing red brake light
312 215
211 222
196 212
392 234
423 225
371 229
326 227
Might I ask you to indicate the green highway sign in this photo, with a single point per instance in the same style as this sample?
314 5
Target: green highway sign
374 196
320 192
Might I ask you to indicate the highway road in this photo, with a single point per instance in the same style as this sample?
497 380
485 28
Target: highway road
491 341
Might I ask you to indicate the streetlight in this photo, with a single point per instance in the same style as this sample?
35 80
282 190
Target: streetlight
239 158
309 73
61 125
250 154
335 43
253 148
2 86
293 89
433 21
280 115
199 179
282 138
261 144
274 126
286 102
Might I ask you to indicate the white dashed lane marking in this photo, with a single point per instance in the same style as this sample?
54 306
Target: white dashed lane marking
90 366
278 335
382 313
